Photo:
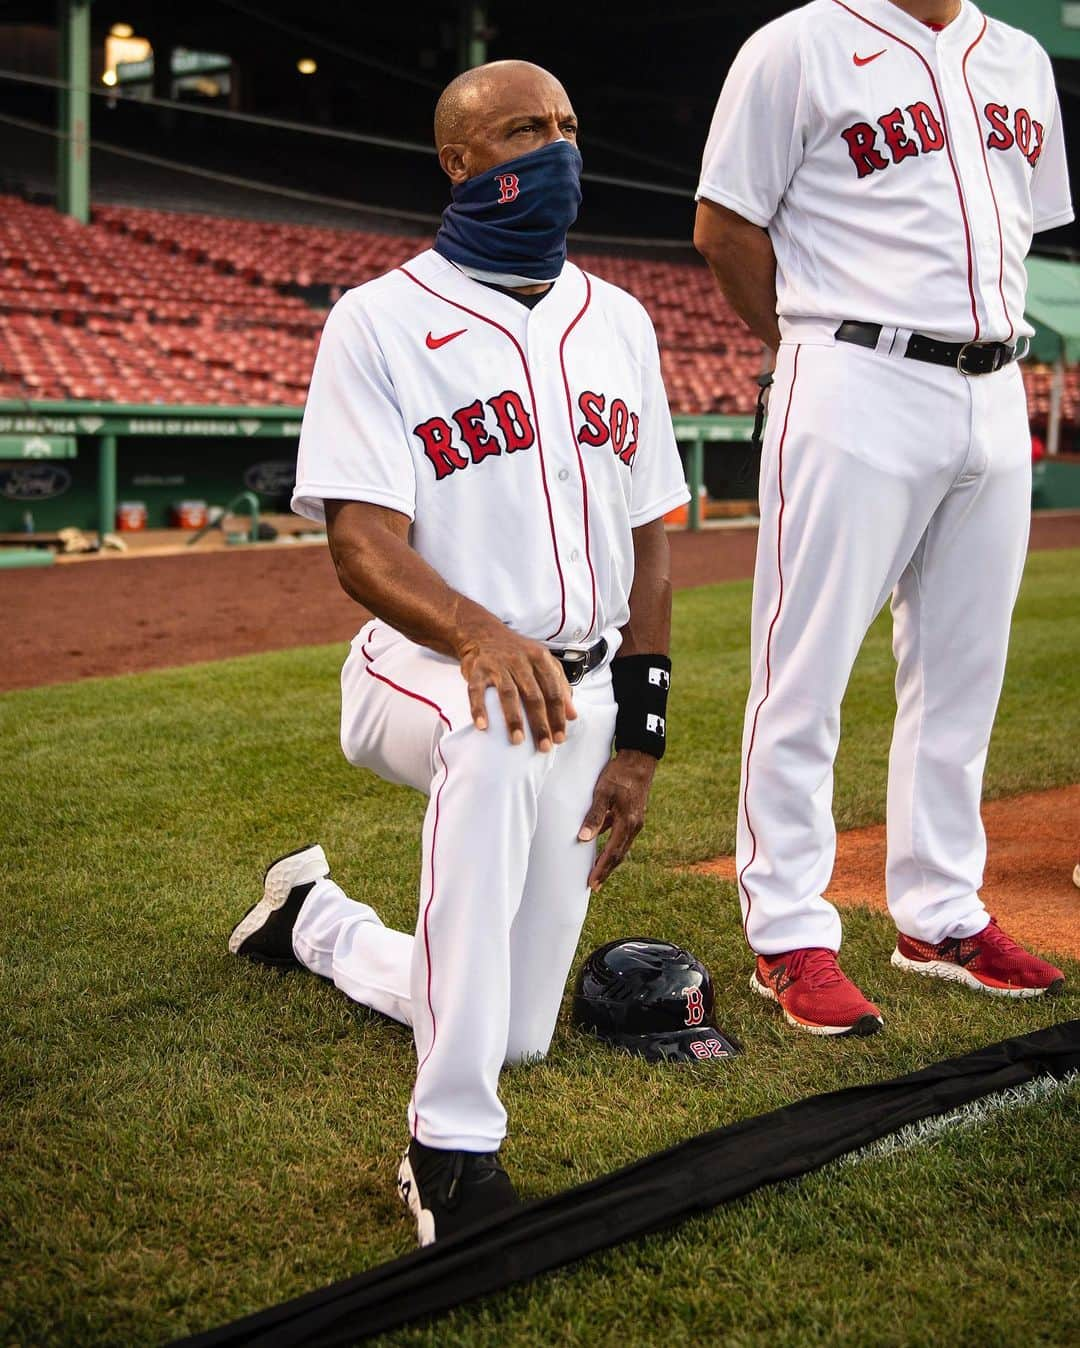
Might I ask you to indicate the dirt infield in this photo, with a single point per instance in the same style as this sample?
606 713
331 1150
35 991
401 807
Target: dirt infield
123 615
1032 847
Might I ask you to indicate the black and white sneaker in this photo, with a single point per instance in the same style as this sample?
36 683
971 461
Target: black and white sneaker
447 1191
265 934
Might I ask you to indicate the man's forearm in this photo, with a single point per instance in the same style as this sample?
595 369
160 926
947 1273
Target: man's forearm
622 789
392 581
649 630
740 255
379 569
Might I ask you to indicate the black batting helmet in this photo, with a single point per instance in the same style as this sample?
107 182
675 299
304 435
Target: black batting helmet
650 998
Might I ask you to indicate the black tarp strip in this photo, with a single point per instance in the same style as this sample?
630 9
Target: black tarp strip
644 1197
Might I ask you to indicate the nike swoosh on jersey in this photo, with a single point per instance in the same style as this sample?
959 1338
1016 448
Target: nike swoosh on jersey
433 343
865 60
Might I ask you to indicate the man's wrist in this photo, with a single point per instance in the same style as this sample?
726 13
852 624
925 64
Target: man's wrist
471 625
638 760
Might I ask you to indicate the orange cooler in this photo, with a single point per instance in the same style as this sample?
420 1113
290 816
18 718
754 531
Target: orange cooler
189 514
131 516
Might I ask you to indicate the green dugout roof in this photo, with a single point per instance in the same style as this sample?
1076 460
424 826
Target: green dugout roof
1053 308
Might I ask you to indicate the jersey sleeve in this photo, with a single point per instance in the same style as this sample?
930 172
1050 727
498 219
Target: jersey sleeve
1051 200
657 482
755 142
353 443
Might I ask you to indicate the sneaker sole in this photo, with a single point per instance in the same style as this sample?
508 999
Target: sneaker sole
956 973
865 1025
409 1193
281 878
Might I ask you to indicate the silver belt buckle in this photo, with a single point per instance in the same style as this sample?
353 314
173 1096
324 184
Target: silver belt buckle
573 662
1002 356
960 359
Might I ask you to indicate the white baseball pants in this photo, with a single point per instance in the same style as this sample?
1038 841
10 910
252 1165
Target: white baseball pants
503 886
879 475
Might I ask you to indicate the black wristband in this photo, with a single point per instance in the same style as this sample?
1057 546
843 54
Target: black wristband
640 684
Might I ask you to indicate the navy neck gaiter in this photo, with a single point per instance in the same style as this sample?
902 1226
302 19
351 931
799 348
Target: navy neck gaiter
512 220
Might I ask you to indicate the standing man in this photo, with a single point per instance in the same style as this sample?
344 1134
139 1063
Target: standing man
871 182
488 440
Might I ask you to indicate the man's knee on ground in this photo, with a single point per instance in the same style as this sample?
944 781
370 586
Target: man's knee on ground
524 1048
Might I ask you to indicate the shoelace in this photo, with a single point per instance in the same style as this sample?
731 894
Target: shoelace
818 967
481 1164
452 1186
993 935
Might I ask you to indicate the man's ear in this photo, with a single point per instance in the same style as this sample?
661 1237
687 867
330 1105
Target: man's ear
452 159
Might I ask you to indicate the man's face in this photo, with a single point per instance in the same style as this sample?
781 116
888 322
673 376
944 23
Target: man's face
508 116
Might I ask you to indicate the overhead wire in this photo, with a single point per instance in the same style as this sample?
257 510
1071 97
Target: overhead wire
301 194
307 128
330 44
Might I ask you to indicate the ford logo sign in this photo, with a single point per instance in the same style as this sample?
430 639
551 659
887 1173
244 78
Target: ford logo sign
33 482
274 477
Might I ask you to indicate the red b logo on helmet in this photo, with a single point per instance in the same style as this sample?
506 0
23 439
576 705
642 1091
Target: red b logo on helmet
508 188
695 1007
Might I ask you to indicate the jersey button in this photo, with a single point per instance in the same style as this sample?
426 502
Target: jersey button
578 633
575 556
564 473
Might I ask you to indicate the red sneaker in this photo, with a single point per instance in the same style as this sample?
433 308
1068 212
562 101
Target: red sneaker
989 961
814 994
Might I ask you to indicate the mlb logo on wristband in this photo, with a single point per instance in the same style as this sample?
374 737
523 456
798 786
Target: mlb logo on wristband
655 724
660 677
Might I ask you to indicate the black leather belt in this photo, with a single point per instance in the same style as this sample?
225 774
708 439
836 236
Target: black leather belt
577 662
967 357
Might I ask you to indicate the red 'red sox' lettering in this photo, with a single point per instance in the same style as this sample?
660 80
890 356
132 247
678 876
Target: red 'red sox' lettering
470 422
619 427
513 425
927 127
595 430
436 436
468 438
1001 136
1022 130
900 146
862 138
867 154
513 421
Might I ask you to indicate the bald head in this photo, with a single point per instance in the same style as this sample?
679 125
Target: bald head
497 112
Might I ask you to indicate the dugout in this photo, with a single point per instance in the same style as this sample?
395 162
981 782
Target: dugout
72 464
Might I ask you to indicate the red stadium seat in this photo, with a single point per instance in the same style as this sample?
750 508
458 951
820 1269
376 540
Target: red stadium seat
144 305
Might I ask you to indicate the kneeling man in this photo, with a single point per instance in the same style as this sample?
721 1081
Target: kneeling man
488 439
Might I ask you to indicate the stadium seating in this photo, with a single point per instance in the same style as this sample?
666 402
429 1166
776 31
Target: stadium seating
149 306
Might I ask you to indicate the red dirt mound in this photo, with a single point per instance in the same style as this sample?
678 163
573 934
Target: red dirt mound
1033 844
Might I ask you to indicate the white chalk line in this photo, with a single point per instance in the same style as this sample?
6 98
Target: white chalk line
974 1115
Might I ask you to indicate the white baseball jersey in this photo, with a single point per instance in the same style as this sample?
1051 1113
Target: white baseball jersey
900 171
524 444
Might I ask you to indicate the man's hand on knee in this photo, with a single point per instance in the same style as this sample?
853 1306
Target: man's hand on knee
530 682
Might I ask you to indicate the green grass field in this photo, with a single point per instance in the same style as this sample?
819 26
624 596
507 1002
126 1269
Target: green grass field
187 1138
